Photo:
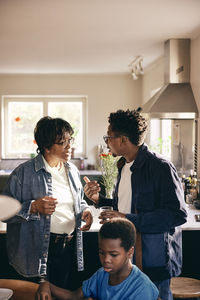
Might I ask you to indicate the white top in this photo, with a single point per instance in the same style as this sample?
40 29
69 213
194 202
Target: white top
125 189
63 219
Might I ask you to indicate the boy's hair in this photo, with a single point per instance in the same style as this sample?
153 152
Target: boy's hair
119 228
49 130
129 123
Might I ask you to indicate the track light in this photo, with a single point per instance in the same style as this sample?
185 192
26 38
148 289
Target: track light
136 67
135 77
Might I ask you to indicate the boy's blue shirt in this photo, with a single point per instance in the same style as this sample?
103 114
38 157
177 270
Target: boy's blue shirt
136 286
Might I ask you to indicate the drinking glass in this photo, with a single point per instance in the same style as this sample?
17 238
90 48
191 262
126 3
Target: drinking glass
105 208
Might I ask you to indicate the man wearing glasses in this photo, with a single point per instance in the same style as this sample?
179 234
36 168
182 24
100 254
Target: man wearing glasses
43 236
148 193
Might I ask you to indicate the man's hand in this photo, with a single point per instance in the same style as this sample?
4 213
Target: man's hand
45 205
44 291
109 214
88 218
91 189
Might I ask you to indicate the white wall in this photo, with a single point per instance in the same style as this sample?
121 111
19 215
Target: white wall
106 93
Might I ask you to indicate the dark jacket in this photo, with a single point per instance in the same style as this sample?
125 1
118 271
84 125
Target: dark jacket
158 210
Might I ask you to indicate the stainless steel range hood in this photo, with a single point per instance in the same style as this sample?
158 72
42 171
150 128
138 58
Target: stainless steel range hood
175 100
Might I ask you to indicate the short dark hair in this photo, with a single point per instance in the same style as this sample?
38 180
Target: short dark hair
50 130
129 123
119 228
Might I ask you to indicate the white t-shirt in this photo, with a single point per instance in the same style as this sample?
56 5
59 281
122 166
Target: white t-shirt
125 189
63 219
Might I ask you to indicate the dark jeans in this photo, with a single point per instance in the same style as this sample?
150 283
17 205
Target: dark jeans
164 289
61 264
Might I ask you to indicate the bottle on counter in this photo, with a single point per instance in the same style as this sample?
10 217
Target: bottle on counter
82 164
183 181
188 196
193 190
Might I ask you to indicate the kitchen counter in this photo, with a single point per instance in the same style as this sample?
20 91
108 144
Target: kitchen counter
191 223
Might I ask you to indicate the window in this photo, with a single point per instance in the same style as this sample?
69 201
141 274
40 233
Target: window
160 136
21 113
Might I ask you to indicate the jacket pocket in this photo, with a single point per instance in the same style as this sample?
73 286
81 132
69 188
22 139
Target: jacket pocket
154 250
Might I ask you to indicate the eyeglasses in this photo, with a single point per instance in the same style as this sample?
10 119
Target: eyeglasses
66 142
107 137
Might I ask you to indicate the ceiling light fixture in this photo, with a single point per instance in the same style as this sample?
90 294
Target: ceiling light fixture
136 67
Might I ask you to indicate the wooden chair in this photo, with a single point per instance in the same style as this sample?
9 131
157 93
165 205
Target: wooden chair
22 290
185 288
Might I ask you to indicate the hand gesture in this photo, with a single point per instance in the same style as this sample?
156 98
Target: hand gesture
45 205
91 189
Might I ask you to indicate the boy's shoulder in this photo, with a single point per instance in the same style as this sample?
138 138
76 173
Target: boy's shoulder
142 280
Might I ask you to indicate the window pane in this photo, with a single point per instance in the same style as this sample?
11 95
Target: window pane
22 118
21 113
155 141
160 137
166 137
72 112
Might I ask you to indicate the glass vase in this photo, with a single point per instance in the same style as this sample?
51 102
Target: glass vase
109 193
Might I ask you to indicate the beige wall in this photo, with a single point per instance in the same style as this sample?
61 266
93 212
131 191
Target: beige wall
106 93
195 82
153 79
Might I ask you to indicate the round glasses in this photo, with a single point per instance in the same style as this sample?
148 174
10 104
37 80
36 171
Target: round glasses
107 137
66 142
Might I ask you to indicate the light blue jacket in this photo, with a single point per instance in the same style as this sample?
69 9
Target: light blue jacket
28 234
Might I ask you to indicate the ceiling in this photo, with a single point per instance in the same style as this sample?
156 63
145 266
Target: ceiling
90 36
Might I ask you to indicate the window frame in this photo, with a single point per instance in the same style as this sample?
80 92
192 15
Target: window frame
44 99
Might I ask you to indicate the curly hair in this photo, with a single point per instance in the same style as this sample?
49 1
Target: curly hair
129 123
49 130
119 228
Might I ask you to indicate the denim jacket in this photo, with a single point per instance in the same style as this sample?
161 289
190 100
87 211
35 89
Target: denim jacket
157 210
28 234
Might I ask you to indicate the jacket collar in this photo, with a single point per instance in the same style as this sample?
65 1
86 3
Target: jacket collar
141 157
39 163
139 161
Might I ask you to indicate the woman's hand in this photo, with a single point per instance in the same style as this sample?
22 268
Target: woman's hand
44 291
45 205
91 189
88 218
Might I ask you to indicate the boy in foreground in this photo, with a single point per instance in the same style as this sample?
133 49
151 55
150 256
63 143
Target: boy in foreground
118 278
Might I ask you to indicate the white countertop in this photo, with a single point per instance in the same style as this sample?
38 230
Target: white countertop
95 225
191 223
